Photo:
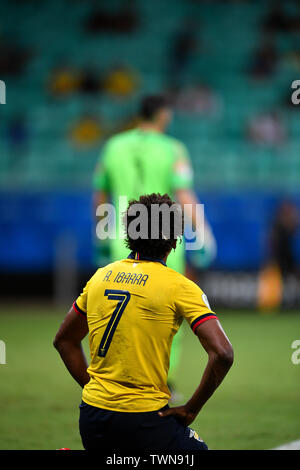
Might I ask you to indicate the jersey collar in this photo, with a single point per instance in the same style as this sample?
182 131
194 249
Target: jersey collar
138 257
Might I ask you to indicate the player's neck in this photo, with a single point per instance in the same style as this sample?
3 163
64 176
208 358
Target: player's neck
150 126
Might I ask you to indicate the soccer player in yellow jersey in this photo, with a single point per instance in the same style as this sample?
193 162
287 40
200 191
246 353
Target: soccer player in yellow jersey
147 160
131 310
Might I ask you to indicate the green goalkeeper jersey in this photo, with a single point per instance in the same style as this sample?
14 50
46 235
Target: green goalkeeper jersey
139 162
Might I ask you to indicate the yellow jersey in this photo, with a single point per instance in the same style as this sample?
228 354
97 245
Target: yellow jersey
134 307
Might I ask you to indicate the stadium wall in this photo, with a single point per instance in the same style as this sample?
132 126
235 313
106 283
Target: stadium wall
33 222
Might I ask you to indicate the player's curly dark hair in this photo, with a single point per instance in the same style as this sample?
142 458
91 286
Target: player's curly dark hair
168 228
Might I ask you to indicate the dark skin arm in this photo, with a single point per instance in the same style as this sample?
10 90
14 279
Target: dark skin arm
68 343
220 359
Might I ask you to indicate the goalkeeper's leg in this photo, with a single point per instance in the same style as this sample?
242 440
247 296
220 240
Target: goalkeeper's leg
176 261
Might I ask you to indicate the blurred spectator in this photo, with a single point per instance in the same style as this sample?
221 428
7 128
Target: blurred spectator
277 20
13 58
17 138
282 238
267 128
264 59
90 82
200 99
121 81
281 261
123 21
182 47
87 132
64 80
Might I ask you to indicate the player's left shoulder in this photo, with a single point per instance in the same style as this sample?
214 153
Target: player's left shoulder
180 280
175 143
193 291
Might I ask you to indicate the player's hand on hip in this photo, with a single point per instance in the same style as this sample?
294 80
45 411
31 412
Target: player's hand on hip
181 413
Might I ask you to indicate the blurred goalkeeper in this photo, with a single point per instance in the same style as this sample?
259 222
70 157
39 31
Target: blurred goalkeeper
146 160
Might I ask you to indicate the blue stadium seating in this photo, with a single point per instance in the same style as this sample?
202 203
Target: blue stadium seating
54 30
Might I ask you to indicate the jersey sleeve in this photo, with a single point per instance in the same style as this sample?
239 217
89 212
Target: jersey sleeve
101 174
192 304
80 304
182 174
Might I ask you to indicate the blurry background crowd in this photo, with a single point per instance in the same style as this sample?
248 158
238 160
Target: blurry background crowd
75 72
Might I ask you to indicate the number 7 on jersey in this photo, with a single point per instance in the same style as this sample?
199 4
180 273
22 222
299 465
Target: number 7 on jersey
123 297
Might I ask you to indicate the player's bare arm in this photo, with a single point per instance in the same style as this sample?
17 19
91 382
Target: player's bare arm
220 359
188 198
68 343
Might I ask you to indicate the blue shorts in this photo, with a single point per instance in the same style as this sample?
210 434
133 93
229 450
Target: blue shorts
102 429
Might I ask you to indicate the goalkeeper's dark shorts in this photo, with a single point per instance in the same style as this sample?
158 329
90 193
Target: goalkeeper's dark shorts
105 429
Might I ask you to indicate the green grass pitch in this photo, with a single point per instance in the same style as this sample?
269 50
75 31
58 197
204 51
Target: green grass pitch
257 406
